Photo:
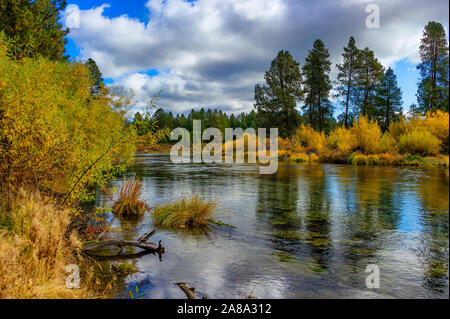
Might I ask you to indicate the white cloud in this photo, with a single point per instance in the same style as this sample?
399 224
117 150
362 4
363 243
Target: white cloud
212 52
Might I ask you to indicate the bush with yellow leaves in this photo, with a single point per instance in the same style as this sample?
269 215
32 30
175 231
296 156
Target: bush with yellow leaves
438 124
419 141
343 140
54 134
308 139
368 134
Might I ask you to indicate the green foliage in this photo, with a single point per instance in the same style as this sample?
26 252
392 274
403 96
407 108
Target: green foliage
276 102
53 135
161 122
433 88
369 76
95 76
347 78
317 86
188 212
34 28
388 100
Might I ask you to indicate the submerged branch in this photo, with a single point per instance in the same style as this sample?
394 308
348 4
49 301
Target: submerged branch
148 247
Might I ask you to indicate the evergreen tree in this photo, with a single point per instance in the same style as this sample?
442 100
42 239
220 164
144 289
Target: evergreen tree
276 102
96 76
347 78
432 92
34 27
370 74
388 99
317 85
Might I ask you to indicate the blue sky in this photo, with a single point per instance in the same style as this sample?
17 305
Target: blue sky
211 53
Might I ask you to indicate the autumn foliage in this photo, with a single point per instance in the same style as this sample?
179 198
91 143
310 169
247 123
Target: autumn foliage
55 135
364 142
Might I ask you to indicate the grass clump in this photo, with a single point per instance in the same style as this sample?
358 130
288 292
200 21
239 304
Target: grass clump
185 213
128 203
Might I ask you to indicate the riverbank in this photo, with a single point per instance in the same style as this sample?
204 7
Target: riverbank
331 157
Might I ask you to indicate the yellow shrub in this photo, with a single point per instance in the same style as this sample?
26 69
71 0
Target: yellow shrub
368 134
343 140
438 124
306 138
388 144
420 142
52 130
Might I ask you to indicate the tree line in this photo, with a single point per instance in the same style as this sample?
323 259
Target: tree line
294 95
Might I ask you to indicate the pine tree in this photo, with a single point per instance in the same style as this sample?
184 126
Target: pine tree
432 92
34 27
276 102
96 76
370 74
317 85
347 77
388 99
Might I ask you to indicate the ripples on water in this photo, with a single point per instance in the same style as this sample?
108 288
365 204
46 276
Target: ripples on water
307 232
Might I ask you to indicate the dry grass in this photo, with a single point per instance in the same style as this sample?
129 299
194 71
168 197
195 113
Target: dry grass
187 212
128 202
34 252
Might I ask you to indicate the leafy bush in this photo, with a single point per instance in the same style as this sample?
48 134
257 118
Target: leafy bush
188 212
54 134
420 142
343 140
388 144
306 138
367 134
438 124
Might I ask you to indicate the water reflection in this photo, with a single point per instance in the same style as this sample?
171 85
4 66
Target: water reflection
308 231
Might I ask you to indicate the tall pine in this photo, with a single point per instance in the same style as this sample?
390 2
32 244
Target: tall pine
347 78
34 27
370 73
388 99
276 102
317 86
432 93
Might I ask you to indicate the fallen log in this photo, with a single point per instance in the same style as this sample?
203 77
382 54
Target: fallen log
189 291
148 247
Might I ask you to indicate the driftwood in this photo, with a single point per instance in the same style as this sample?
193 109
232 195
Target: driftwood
142 243
189 291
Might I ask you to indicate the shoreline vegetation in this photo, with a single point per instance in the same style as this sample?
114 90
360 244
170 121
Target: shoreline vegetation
418 141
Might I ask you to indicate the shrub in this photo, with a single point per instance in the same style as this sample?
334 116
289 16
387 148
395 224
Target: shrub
187 212
128 203
306 138
367 134
438 124
343 140
388 144
397 128
420 142
52 130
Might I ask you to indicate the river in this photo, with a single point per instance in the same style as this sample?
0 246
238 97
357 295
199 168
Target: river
308 231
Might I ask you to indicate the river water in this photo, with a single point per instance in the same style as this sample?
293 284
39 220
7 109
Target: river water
310 231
